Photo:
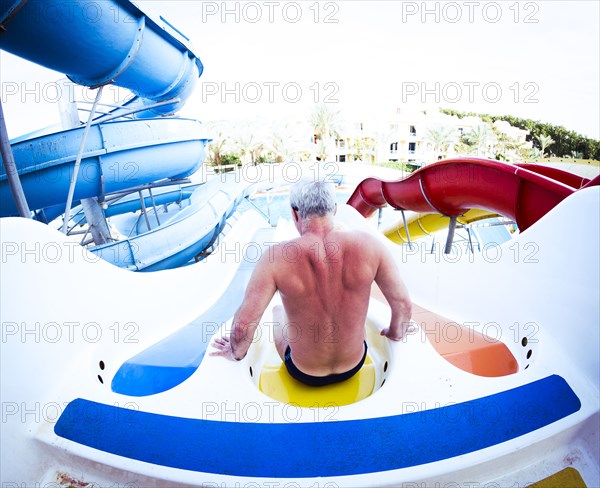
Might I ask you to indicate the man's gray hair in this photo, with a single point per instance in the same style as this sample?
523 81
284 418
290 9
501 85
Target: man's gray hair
312 198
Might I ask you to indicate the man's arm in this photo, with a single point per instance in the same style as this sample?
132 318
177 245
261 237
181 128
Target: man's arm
259 292
395 292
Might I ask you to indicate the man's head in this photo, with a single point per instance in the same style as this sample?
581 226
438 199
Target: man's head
312 198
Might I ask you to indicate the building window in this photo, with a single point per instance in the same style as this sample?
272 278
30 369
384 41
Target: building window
412 147
394 147
342 158
413 130
341 143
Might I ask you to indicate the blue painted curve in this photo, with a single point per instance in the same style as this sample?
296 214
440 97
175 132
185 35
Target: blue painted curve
301 450
173 360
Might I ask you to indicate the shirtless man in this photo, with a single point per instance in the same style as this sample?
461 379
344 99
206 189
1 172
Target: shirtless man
324 278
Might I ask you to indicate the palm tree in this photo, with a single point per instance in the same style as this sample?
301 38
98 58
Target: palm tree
481 137
216 147
325 124
507 148
531 153
247 144
321 151
545 142
285 143
256 152
440 137
363 147
279 146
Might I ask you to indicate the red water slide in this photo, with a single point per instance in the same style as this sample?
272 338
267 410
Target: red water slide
453 186
557 174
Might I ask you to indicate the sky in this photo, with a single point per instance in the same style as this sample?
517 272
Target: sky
270 60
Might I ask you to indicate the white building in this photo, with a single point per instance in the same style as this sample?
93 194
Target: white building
410 137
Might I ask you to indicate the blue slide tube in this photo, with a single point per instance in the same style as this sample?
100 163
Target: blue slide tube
96 43
117 156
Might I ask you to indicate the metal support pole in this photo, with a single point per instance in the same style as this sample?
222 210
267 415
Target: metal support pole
143 204
96 221
154 206
8 159
406 229
69 119
450 239
78 163
470 240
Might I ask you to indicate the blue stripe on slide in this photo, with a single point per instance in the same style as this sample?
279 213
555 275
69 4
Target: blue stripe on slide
173 360
298 450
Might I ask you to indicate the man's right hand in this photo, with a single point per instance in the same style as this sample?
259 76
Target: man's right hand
397 333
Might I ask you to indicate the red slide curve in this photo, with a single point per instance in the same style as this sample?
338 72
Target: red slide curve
453 186
557 174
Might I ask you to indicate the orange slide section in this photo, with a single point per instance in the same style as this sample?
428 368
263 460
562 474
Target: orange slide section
465 348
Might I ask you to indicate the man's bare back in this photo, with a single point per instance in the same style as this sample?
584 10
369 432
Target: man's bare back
324 278
325 284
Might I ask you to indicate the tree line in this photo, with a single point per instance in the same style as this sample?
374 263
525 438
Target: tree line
565 142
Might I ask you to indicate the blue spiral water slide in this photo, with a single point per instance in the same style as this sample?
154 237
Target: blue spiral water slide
94 44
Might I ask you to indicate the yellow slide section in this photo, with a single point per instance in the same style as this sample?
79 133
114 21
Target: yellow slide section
422 225
277 383
567 478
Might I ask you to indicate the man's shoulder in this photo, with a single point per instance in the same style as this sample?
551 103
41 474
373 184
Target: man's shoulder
345 238
296 241
281 249
358 237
